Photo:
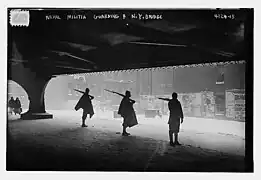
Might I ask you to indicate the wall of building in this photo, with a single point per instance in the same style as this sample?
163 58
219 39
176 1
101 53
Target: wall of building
145 82
163 81
197 79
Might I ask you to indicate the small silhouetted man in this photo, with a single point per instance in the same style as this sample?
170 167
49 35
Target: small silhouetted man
127 112
85 103
11 105
17 106
175 118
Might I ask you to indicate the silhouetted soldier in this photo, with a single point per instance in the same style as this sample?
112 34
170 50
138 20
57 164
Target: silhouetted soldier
11 105
17 106
127 112
86 104
176 114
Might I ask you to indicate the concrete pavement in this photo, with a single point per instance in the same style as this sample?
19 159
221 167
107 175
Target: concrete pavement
61 144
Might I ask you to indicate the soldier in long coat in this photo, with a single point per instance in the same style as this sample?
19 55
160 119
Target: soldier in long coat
85 103
126 110
11 105
17 107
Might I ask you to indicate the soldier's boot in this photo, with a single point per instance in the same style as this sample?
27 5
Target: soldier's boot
176 140
171 143
124 132
83 123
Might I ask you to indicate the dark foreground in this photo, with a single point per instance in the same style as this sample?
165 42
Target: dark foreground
44 145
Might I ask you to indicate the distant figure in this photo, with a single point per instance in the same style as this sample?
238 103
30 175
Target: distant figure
158 113
85 103
176 114
11 105
127 112
17 106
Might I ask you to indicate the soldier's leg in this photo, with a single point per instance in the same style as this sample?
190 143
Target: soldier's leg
124 132
124 128
176 139
176 133
84 115
170 135
91 115
124 125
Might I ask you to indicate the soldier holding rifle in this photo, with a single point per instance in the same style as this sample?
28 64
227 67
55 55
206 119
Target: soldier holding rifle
176 114
126 111
85 103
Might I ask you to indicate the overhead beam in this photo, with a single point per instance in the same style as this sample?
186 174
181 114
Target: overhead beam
189 37
75 68
82 47
61 53
215 51
222 53
158 44
18 60
211 50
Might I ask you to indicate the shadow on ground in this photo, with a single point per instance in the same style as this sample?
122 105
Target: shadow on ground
32 146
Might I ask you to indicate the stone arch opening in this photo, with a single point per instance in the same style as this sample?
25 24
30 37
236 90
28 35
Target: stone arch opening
55 93
16 90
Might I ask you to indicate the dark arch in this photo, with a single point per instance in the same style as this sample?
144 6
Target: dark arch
34 84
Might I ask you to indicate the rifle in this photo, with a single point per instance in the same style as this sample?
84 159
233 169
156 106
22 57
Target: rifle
83 93
115 92
132 101
79 91
164 99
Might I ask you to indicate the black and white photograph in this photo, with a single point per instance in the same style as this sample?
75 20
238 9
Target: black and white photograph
130 89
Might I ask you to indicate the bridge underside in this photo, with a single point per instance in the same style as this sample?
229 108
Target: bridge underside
50 47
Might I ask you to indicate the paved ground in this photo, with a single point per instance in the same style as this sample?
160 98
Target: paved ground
61 144
232 128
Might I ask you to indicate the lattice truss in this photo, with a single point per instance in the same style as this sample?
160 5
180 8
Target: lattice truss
216 64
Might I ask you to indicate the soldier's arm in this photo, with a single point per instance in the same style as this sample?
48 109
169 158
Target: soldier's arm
132 101
164 99
91 97
169 106
181 112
